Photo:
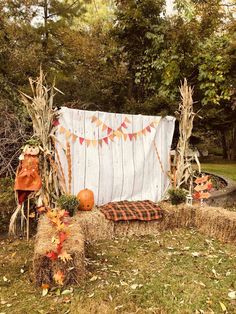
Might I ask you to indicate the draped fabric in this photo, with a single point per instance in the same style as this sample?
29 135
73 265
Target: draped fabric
117 156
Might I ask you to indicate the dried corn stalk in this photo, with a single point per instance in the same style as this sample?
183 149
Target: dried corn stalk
186 117
42 114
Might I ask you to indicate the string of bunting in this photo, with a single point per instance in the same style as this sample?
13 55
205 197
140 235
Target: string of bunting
112 134
105 127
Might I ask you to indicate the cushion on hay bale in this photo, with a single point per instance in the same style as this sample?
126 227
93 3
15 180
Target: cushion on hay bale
131 210
44 268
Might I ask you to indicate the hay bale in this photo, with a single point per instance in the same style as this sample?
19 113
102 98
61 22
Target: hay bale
44 268
94 225
217 222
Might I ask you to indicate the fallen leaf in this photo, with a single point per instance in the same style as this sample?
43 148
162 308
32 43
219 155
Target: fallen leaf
224 309
134 286
118 307
91 295
232 295
67 291
195 254
93 278
44 292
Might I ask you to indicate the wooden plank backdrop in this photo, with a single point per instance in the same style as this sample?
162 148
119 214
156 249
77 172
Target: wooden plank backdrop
117 156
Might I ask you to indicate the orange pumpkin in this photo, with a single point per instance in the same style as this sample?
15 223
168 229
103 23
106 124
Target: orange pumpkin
86 199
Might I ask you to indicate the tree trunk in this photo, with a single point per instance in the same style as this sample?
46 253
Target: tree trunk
46 32
224 144
234 144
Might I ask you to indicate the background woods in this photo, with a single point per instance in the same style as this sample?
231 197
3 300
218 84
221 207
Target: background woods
123 56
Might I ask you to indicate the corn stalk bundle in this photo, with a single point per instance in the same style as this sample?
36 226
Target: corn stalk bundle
186 117
41 111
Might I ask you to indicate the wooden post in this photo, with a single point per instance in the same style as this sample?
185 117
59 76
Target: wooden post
27 221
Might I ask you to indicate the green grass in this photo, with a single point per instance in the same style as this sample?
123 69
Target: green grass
226 169
177 272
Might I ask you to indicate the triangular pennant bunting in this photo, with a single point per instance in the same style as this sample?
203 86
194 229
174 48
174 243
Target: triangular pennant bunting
130 135
88 142
105 139
74 137
111 137
127 120
125 136
104 127
68 134
98 122
148 128
62 129
93 119
124 125
81 140
108 130
94 142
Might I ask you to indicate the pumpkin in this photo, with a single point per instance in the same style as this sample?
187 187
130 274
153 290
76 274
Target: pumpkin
86 199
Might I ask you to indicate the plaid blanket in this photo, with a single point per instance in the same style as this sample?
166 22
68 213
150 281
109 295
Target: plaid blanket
126 210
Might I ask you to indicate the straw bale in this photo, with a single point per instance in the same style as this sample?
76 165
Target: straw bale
217 222
44 268
94 225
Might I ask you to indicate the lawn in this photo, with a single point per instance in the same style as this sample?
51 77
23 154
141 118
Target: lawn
178 271
225 169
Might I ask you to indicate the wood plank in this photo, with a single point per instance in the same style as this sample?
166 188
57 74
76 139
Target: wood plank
139 159
106 164
92 159
128 162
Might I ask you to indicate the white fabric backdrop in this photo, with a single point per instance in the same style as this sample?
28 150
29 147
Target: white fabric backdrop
122 167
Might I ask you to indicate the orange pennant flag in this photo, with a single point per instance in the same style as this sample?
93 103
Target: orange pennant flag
93 119
152 125
111 137
68 134
62 130
127 120
94 142
117 133
74 137
88 142
125 136
144 131
98 122
135 135
104 127
139 133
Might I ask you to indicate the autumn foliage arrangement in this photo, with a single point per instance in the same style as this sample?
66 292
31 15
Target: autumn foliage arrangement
59 219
